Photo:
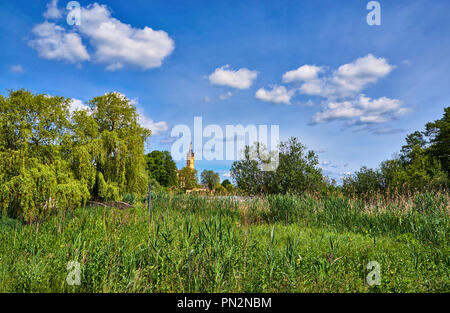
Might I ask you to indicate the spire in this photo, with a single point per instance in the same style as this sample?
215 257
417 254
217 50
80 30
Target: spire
190 158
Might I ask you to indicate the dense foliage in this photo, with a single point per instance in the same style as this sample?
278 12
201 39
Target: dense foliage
52 159
423 163
297 171
187 178
162 168
210 179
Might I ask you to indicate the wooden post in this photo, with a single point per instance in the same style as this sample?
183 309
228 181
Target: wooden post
149 198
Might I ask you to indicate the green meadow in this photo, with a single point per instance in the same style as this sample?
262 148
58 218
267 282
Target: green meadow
190 243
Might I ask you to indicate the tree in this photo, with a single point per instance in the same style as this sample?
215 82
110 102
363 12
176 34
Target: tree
248 175
364 180
35 177
393 174
162 168
297 170
226 182
187 178
220 190
228 185
53 160
210 179
439 139
415 139
109 141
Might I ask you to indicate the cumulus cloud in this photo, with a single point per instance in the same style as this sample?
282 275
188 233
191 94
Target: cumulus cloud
362 110
52 10
347 81
118 44
156 127
341 90
303 73
53 42
77 105
353 77
278 94
240 79
112 42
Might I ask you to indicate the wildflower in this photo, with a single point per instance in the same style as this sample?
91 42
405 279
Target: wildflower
299 260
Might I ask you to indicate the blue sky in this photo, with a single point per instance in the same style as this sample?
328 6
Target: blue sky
348 90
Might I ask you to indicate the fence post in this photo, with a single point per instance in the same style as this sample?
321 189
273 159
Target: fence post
149 198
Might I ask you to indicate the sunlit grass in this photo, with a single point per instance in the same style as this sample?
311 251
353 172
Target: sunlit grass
196 244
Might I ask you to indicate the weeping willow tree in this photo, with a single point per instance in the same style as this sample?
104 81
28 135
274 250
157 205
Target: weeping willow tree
107 150
52 160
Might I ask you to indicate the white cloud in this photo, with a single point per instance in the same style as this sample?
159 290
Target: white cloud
53 42
314 87
240 79
342 92
278 94
303 73
77 105
225 96
117 44
156 127
353 77
347 81
16 69
52 10
362 110
114 43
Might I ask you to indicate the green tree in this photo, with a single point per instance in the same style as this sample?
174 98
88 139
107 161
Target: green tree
413 140
438 133
35 177
210 179
393 174
248 175
297 170
162 168
52 160
121 137
187 178
363 181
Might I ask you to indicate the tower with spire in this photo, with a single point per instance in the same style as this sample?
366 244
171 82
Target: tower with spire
190 158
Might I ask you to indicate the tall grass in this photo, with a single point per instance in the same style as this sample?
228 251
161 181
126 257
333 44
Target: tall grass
200 244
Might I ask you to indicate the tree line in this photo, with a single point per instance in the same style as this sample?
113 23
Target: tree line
422 164
53 159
